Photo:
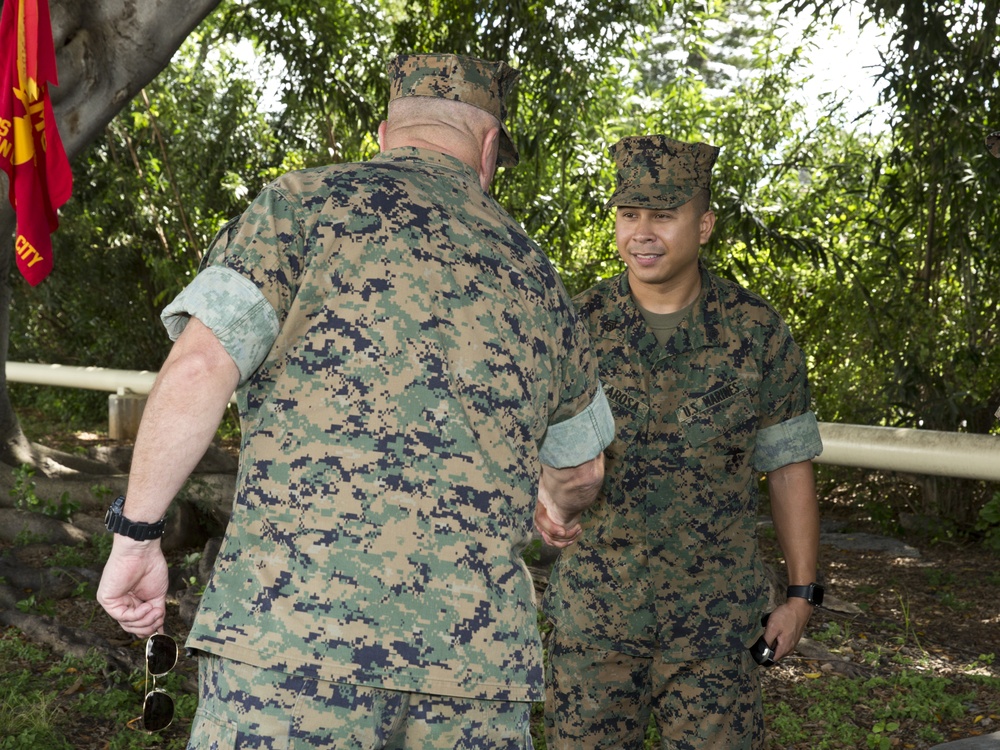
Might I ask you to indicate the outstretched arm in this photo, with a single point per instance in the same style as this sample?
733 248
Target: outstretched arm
181 416
563 495
795 512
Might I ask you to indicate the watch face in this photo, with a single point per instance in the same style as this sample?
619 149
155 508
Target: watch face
816 594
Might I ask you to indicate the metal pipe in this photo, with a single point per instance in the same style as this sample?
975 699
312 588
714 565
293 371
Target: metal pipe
950 454
91 378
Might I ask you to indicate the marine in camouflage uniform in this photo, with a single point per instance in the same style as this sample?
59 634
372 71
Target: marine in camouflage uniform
654 607
408 361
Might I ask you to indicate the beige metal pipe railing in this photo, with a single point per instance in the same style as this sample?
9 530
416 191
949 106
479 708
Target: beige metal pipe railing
91 378
952 454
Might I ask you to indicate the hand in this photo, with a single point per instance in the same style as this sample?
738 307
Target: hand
557 527
563 495
785 626
133 588
553 533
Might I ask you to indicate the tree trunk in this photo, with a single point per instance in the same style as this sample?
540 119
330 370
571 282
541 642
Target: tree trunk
106 51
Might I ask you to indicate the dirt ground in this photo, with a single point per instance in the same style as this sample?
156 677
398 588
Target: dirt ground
936 612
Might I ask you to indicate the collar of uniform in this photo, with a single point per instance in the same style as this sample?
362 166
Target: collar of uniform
630 324
707 313
704 332
413 154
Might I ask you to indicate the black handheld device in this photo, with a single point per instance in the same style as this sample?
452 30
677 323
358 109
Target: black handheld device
761 651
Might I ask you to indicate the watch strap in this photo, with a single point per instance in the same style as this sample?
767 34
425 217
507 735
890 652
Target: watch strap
115 521
813 593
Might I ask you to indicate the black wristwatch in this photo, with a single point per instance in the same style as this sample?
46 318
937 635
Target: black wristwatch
115 521
813 593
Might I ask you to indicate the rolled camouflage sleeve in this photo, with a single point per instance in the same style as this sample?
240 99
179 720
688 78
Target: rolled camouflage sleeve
788 442
233 308
579 438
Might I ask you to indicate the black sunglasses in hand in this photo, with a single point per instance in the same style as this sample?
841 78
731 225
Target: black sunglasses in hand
157 706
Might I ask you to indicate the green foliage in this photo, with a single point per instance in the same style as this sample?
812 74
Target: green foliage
37 606
532 553
13 649
834 632
42 700
989 522
25 497
913 330
23 538
65 409
878 738
910 695
987 659
26 720
149 195
93 554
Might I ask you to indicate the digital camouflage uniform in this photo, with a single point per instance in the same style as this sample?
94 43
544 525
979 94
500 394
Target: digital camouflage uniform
407 356
668 562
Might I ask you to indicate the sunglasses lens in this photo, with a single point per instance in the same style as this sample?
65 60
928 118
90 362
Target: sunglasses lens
161 654
157 711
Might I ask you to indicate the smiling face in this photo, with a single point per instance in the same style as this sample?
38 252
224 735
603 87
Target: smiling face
660 246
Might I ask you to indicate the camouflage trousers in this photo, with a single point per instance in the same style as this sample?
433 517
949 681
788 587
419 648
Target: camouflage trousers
603 699
241 707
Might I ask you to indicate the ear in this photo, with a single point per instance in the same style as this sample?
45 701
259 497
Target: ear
381 135
706 226
488 160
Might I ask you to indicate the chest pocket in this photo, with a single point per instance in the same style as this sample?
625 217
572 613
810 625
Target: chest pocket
727 409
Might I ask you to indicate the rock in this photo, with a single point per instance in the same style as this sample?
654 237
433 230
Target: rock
983 742
873 542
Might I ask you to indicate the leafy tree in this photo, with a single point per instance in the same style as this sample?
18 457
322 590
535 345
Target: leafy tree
881 252
924 231
178 162
106 51
189 151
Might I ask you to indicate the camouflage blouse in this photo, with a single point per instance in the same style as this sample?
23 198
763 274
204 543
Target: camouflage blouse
669 555
404 348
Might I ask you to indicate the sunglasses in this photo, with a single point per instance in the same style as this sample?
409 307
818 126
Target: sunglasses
157 706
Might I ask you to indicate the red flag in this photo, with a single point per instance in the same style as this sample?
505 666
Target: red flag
31 152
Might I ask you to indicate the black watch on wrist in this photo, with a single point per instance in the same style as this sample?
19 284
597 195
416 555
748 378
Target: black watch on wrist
813 593
114 520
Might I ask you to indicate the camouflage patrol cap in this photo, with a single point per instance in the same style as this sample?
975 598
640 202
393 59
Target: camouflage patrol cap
658 172
470 80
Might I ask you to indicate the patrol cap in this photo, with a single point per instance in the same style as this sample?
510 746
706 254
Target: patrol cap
658 172
470 80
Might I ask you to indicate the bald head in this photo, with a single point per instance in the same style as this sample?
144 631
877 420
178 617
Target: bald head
450 127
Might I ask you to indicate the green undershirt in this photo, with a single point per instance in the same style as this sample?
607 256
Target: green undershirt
663 325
